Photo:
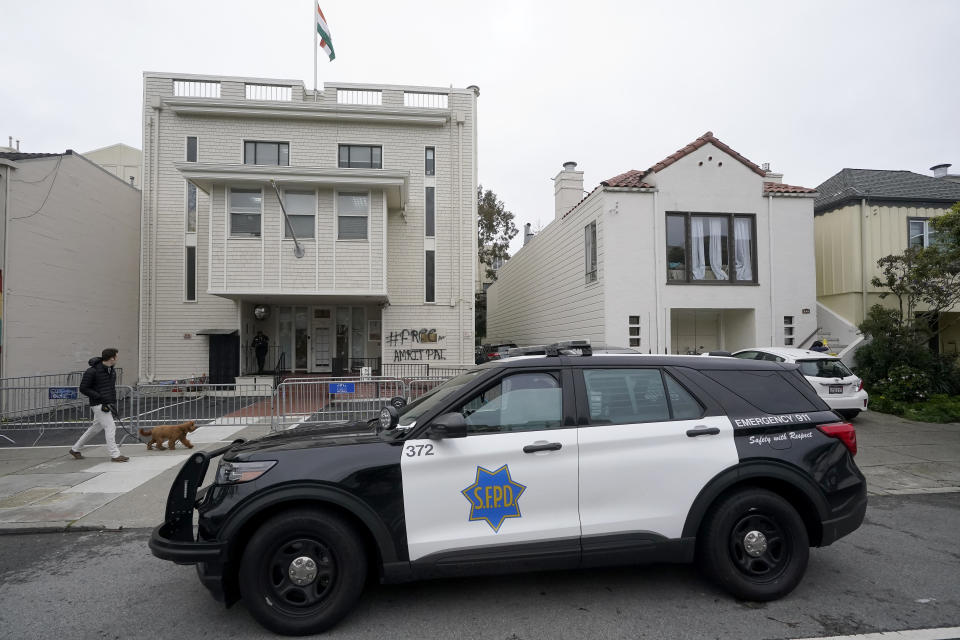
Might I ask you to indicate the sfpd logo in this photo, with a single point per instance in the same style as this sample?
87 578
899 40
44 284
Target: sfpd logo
494 497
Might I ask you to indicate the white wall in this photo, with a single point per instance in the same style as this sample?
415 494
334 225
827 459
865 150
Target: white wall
541 296
72 267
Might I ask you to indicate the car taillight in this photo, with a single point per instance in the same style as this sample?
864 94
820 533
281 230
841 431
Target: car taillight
860 386
844 431
493 355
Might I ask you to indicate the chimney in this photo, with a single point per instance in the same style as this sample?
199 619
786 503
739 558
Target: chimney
940 170
567 189
10 143
527 234
18 145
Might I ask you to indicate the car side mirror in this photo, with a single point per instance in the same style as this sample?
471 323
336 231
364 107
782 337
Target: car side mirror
449 425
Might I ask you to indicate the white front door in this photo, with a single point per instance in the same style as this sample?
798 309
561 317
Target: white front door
512 480
647 452
322 327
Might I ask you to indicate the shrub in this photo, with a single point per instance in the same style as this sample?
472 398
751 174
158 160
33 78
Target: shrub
939 408
905 384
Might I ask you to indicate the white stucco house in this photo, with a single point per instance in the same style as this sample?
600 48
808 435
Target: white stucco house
371 259
705 250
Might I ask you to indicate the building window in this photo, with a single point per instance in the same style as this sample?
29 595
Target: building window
430 206
920 233
246 206
707 249
633 329
191 148
590 251
353 156
429 162
191 208
430 289
301 209
352 212
190 271
270 153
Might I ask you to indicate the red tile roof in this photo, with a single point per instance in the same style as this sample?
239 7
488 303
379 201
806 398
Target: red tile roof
632 178
776 187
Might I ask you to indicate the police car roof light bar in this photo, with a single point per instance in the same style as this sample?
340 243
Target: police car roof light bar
568 348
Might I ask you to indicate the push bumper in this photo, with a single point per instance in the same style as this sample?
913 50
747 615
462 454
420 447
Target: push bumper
175 540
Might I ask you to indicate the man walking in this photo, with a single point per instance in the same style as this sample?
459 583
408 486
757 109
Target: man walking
99 383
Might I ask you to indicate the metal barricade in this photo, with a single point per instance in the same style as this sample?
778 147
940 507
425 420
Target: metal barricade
420 386
205 404
446 372
313 400
29 412
406 370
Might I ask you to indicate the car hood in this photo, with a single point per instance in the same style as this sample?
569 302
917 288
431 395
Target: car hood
334 434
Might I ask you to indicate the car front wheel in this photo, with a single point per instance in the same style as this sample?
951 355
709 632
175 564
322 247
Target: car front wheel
754 545
302 571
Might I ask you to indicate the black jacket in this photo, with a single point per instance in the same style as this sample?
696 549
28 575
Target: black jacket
99 383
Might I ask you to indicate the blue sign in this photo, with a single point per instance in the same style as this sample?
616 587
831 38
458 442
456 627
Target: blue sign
342 387
494 497
62 393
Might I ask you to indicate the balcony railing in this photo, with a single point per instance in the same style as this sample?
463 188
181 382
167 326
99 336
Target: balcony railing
423 100
196 89
366 97
272 92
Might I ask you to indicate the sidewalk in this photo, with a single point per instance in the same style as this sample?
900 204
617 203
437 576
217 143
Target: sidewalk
44 489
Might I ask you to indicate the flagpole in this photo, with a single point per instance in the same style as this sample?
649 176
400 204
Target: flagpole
313 17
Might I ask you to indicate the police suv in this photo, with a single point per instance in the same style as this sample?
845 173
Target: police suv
556 461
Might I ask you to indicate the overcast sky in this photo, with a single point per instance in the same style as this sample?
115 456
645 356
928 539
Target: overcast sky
810 87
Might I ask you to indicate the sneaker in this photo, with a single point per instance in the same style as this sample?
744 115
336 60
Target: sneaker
120 459
76 454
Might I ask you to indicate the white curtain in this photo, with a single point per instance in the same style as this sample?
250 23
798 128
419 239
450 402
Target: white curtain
696 243
716 248
742 235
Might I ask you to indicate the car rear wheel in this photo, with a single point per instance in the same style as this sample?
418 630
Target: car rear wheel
754 545
302 571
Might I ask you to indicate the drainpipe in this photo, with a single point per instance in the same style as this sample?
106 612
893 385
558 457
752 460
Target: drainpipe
460 234
773 313
658 283
863 256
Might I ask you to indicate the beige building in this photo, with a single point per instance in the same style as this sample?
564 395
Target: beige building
704 250
121 160
863 215
371 264
69 264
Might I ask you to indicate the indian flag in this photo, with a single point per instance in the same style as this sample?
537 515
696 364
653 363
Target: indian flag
326 43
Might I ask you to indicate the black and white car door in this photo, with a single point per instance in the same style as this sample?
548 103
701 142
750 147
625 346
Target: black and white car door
511 480
646 451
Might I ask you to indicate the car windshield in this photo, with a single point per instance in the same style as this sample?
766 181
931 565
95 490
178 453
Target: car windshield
428 401
824 368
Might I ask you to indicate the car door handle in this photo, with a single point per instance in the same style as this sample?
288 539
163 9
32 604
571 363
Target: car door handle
549 446
703 431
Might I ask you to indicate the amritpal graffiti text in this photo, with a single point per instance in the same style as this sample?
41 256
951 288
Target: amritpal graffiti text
413 337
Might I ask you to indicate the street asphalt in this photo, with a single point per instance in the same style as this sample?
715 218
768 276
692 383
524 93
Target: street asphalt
44 489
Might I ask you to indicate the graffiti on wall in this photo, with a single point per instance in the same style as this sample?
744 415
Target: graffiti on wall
414 337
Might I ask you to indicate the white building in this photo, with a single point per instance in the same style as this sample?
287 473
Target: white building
379 185
705 250
69 264
121 160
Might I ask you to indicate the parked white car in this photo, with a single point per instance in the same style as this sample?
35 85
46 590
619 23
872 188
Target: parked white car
835 383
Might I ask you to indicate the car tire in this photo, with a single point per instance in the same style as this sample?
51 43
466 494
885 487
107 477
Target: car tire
302 571
750 566
848 414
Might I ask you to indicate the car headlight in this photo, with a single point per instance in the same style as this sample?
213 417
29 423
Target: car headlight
237 472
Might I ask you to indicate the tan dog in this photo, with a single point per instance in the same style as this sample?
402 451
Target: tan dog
171 433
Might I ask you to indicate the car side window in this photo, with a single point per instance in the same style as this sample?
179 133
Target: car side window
625 396
521 402
747 355
684 405
769 357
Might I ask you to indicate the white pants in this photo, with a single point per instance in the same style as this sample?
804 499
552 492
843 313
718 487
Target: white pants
101 420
